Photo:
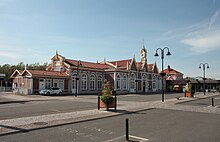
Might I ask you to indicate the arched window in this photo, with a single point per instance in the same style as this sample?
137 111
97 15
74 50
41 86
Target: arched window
124 82
154 81
132 81
84 82
92 82
118 82
99 82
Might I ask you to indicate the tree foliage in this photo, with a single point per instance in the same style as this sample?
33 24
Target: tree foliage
8 69
107 92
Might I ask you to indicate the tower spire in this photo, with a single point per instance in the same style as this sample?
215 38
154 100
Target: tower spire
143 44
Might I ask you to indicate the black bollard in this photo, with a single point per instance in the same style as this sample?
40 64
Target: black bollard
107 103
115 103
98 102
213 102
127 129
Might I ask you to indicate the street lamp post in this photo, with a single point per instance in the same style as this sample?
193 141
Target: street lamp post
162 73
77 77
203 65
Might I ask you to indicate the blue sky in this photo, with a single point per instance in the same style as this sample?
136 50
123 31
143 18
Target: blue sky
32 30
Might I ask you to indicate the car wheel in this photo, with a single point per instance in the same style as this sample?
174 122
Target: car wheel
47 93
60 93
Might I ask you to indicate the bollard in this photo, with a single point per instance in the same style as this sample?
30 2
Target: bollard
213 102
115 102
127 129
114 93
107 103
98 102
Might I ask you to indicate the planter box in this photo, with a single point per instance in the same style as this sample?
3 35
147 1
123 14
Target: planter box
104 105
188 94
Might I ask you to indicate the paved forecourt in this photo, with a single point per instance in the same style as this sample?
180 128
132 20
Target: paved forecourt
31 125
148 125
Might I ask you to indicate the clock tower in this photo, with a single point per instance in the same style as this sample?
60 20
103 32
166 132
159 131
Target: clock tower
143 57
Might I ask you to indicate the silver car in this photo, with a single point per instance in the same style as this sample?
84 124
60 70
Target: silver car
51 91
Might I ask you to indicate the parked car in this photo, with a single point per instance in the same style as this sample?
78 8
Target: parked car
51 91
178 88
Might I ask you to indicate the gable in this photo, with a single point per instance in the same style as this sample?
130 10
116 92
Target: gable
26 73
133 65
155 68
16 73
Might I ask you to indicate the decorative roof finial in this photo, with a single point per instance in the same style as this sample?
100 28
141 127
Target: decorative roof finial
56 52
143 45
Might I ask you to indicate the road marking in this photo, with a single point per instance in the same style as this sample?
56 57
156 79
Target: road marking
117 138
134 137
139 138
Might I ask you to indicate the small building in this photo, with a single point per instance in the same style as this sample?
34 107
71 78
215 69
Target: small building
31 81
198 84
82 77
173 78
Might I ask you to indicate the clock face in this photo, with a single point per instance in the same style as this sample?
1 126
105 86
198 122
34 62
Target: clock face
142 53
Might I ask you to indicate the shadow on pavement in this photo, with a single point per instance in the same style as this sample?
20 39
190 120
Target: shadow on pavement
21 130
14 102
15 128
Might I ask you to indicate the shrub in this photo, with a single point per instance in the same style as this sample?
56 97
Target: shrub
107 99
107 93
218 88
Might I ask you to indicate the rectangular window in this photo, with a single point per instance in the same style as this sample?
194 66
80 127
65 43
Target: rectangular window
48 83
61 84
154 85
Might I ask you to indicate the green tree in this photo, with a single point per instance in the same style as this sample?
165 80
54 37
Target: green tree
107 92
8 69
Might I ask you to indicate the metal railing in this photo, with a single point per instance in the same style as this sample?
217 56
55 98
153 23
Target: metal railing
6 89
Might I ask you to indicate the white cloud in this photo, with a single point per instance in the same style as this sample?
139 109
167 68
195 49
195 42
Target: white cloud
205 36
9 55
213 19
203 42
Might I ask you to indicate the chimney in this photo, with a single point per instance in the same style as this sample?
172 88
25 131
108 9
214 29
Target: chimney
168 68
